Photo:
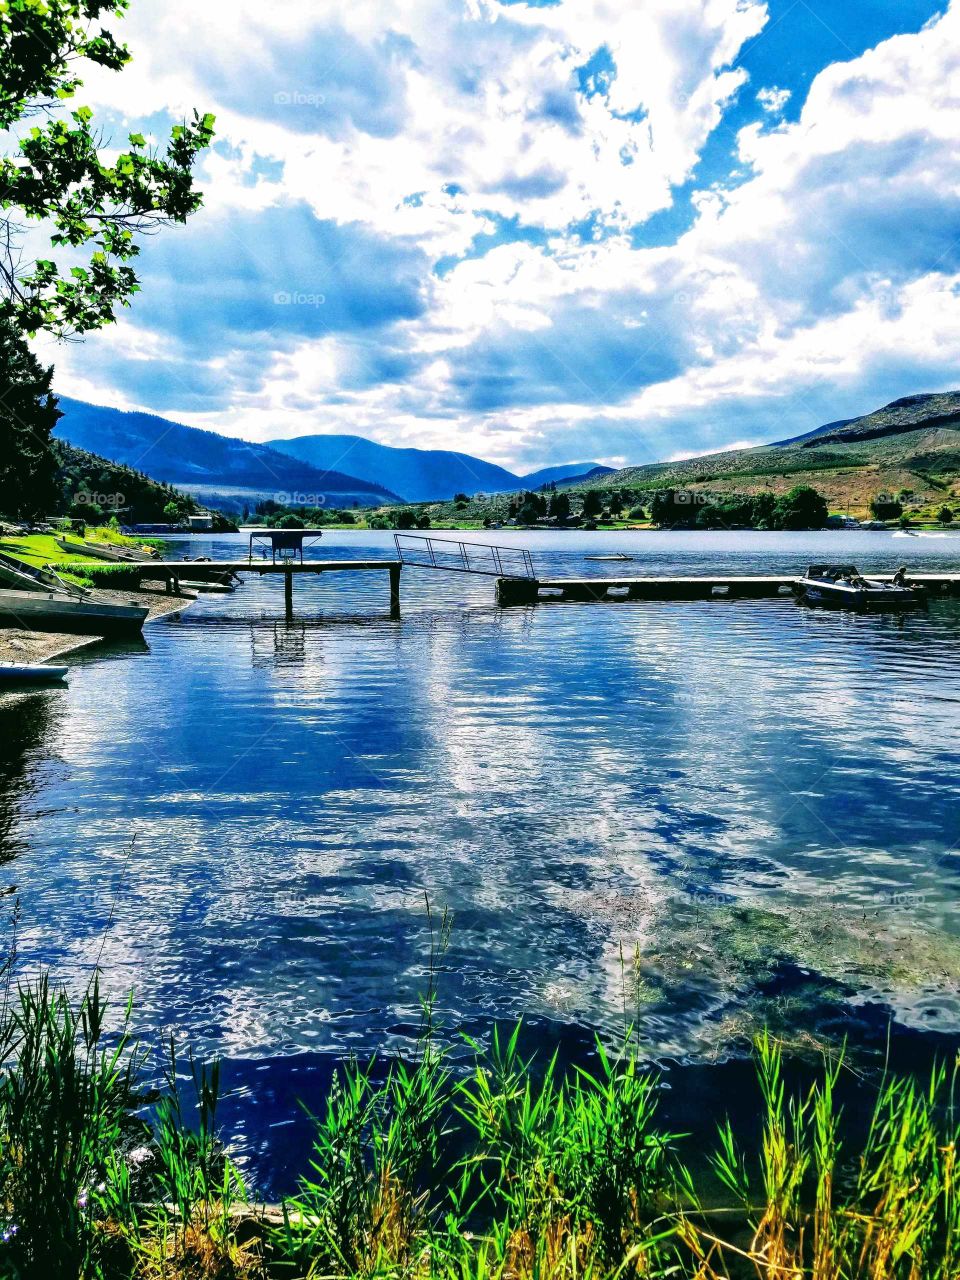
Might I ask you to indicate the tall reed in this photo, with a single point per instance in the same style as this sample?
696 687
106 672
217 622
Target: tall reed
512 1169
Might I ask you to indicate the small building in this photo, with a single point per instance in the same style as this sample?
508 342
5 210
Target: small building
200 524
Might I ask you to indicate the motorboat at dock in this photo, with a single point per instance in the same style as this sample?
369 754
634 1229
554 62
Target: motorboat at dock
843 586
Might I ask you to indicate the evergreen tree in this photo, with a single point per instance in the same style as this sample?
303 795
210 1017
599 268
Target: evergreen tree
28 414
560 506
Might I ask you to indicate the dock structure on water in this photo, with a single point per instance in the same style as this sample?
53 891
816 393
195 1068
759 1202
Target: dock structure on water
287 559
516 577
174 570
516 591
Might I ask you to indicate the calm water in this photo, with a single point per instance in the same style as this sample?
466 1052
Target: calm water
755 799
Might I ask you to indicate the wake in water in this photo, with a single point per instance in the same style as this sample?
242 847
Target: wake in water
903 533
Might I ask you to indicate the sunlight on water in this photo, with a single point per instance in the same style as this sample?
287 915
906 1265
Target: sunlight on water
741 790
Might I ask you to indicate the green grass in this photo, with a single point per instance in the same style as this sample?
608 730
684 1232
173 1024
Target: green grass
41 549
508 1170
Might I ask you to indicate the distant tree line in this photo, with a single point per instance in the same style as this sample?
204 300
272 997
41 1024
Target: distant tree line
276 516
801 508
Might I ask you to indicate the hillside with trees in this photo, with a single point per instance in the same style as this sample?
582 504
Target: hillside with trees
907 452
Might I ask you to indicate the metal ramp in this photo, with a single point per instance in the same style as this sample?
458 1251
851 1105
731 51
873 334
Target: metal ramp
419 551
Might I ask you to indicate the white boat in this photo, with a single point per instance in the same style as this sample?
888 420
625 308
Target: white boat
56 611
842 585
619 555
21 673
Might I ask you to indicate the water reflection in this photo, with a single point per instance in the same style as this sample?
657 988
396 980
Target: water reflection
756 797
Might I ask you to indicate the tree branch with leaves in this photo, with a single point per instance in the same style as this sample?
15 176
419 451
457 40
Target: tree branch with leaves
59 178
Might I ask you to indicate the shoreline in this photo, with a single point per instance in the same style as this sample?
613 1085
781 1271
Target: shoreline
32 647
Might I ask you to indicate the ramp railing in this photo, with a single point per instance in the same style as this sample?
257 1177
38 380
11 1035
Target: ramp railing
420 551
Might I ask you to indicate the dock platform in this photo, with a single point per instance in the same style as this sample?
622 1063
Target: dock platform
513 591
172 571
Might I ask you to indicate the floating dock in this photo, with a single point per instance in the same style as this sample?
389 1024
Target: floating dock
513 591
517 581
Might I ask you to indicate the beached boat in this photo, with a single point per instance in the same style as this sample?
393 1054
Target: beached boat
103 551
76 615
21 673
26 577
842 585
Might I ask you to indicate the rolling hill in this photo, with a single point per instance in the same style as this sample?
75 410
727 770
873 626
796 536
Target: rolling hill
422 475
222 471
909 446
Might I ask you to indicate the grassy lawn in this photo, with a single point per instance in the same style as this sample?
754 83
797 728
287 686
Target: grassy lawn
37 549
40 549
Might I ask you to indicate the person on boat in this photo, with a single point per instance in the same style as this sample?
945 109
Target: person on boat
900 577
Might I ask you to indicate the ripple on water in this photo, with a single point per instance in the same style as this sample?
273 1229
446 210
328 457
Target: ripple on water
740 790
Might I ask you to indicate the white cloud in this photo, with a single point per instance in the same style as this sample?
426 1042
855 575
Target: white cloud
773 100
833 265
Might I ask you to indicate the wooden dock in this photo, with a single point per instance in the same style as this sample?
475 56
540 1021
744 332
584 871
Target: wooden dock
172 571
511 591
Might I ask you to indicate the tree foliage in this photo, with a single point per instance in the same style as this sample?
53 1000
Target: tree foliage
58 174
28 414
801 508
559 506
884 507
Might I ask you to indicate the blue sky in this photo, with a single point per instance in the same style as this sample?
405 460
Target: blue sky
543 232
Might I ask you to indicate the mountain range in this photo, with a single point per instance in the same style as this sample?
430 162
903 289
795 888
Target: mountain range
911 444
341 470
423 475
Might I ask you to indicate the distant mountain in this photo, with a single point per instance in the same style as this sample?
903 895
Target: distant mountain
572 473
223 471
910 445
421 475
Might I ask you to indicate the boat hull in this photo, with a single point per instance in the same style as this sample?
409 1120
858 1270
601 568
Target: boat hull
33 611
866 599
18 673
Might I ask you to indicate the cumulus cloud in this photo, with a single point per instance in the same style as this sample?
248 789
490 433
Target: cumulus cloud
457 195
773 100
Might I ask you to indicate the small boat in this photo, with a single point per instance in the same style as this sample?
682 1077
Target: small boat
842 585
207 588
26 577
619 555
20 673
55 611
103 551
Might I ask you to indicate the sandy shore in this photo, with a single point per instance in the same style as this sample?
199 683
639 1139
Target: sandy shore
40 646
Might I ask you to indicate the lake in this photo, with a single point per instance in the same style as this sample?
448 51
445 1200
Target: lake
696 817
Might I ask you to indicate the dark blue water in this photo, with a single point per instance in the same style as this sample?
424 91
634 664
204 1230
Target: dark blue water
701 817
